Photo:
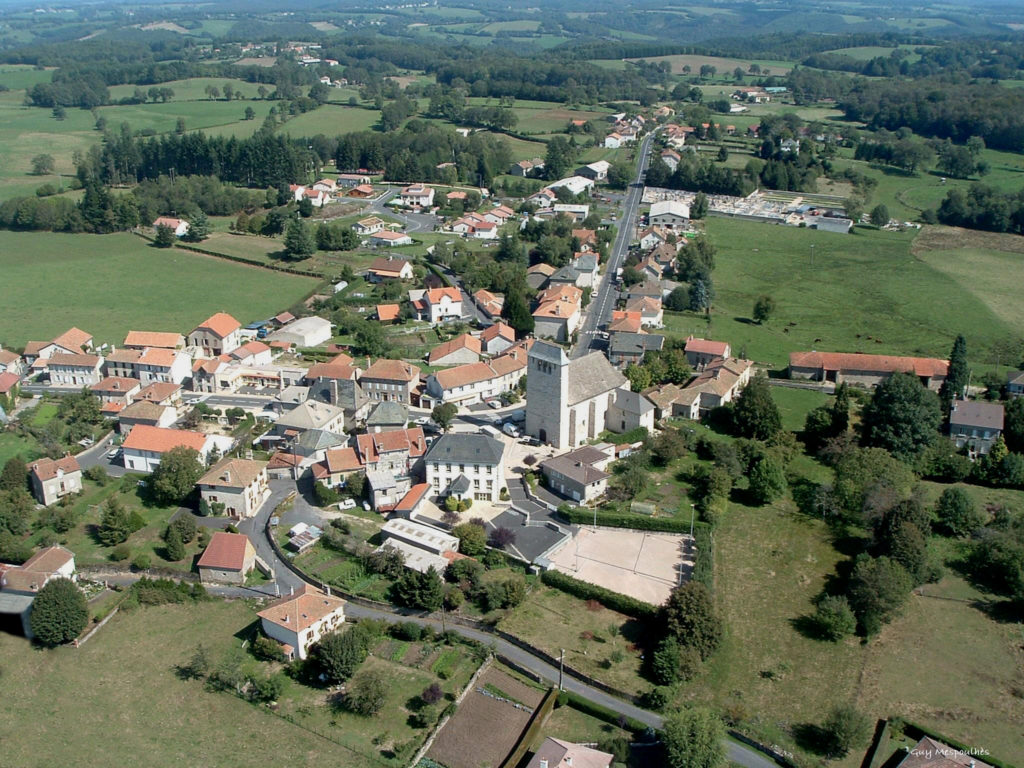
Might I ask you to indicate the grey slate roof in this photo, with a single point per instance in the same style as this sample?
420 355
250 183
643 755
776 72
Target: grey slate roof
975 413
388 413
635 343
381 479
590 376
567 274
632 402
460 485
552 353
313 440
466 449
311 414
578 465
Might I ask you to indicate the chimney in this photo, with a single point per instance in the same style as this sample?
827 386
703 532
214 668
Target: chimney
543 764
568 760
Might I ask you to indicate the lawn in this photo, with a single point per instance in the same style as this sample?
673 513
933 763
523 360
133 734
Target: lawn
120 702
854 297
120 283
12 444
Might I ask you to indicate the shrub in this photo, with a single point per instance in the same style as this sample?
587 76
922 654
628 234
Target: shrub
59 613
136 522
268 650
367 693
957 512
472 538
503 537
845 728
407 630
610 519
97 474
120 553
141 562
834 618
432 694
325 496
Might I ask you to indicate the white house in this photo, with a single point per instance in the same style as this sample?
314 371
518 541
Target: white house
299 620
670 214
595 171
475 382
369 226
575 184
178 226
216 335
145 446
417 195
466 466
78 370
613 140
240 485
390 239
52 479
439 304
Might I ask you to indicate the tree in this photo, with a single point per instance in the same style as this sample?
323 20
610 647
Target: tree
678 300
174 546
444 414
902 417
845 728
229 91
420 590
432 694
756 415
472 539
176 475
700 295
299 240
723 154
502 537
198 228
115 526
164 236
14 476
694 738
179 126
957 376
764 308
367 692
337 655
699 207
834 618
1013 432
305 207
665 661
250 113
880 215
198 665
43 164
689 616
767 479
59 613
516 312
878 589
620 173
957 513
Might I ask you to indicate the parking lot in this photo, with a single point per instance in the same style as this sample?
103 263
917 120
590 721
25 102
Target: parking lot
642 564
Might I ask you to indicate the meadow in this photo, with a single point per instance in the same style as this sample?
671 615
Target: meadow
109 284
332 120
862 292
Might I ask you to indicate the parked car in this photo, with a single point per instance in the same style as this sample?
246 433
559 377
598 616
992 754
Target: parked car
347 504
366 506
113 453
510 429
493 403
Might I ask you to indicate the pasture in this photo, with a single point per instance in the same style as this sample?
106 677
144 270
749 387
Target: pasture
332 120
724 66
109 284
23 76
193 89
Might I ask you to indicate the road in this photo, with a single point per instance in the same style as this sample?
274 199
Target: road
412 222
603 302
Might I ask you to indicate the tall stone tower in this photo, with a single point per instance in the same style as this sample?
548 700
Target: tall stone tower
547 394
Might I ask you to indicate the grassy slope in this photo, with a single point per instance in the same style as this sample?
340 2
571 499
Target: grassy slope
110 284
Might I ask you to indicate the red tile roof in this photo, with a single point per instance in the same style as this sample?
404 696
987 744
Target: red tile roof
412 498
74 361
434 295
158 339
160 440
222 324
158 391
342 460
844 361
225 552
46 469
392 370
496 330
465 341
300 611
73 338
707 347
387 313
8 381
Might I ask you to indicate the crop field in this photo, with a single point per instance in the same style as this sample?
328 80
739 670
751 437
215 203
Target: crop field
846 293
120 282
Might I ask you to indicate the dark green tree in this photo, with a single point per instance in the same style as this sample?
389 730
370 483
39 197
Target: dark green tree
701 294
756 415
844 729
1013 430
620 173
834 618
694 738
443 415
176 475
879 587
689 616
472 539
299 240
957 512
957 377
517 313
367 692
115 526
767 479
14 476
198 228
699 207
903 417
338 655
175 549
880 215
764 308
59 613
164 237
678 300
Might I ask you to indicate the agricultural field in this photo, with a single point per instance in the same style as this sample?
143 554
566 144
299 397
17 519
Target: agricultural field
332 120
120 283
23 76
850 297
193 89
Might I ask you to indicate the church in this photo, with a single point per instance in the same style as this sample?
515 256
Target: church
571 401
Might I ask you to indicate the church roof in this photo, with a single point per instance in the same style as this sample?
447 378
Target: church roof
591 375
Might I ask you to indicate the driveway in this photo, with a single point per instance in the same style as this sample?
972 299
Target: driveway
96 456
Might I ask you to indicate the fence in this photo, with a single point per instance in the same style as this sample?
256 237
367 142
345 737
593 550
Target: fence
533 726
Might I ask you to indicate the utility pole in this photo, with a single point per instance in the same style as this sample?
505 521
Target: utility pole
561 665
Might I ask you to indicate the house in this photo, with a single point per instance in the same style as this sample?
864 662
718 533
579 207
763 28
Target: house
489 303
9 383
567 401
164 365
410 504
580 474
975 425
719 383
614 140
624 321
587 239
52 480
369 226
652 237
865 370
299 620
555 753
929 753
145 413
574 184
649 288
10 362
670 214
417 195
389 239
629 410
228 559
19 584
499 214
336 466
461 349
664 255
701 352
115 392
437 305
326 185
387 416
496 338
1015 383
556 319
305 332
178 226
475 382
629 348
568 275
595 171
352 179
146 445
74 370
311 414
218 334
161 393
652 314
362 191
467 466
390 380
389 269
537 275
254 353
571 210
671 158
390 459
526 167
422 546
238 485
153 339
388 313
545 198
456 194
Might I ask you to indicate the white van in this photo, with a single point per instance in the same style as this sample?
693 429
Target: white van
491 431
510 429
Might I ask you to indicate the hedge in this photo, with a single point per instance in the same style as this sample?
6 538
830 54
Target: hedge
615 601
704 563
580 516
528 736
588 707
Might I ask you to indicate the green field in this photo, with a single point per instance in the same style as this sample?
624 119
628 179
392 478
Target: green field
853 297
332 120
22 76
109 284
193 89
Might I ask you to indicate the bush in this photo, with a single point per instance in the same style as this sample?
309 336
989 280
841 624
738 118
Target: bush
59 613
136 522
472 538
432 694
141 562
97 474
120 553
610 519
845 728
367 693
834 618
268 650
407 630
957 512
325 496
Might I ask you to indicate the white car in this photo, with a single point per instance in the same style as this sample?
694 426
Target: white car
495 403
510 429
347 504
366 506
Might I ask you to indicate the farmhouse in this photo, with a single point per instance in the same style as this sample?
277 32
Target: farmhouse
387 238
227 559
701 352
526 167
719 383
975 425
239 486
218 334
466 466
865 370
52 480
178 226
389 269
299 620
421 546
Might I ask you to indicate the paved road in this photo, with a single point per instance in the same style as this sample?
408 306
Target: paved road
96 456
412 222
600 310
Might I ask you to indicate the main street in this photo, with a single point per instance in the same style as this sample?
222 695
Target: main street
603 300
